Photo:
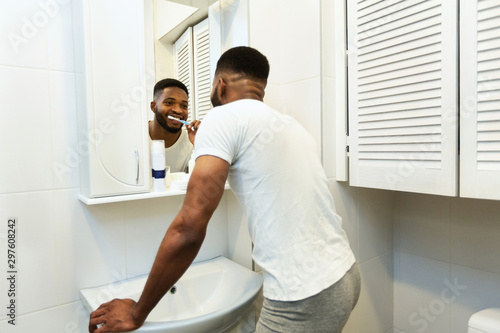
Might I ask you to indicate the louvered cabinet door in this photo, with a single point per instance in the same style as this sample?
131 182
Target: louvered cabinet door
403 100
183 64
202 84
480 99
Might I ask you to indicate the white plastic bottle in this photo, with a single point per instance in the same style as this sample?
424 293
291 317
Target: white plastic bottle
158 165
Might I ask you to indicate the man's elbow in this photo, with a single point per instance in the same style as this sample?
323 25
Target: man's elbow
189 235
194 238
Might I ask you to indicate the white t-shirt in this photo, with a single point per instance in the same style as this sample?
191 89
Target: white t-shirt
276 174
177 155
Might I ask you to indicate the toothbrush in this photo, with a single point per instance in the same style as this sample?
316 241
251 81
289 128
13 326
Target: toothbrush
179 120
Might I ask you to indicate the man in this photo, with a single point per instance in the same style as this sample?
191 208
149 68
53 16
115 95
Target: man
170 98
311 280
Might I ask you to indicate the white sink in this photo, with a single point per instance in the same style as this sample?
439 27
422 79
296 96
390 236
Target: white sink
210 297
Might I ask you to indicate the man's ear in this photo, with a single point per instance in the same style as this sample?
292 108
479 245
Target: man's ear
153 106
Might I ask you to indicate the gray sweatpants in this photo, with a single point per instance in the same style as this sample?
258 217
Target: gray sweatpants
326 312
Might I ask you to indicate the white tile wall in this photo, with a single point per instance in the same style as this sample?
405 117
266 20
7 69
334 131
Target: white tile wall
425 226
73 318
65 163
302 101
396 301
346 199
353 323
274 97
328 126
458 235
90 244
146 224
376 296
25 119
60 35
375 223
300 40
395 222
419 284
26 42
328 43
265 16
234 23
44 322
475 234
67 318
477 290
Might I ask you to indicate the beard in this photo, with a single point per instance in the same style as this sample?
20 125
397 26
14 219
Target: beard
215 98
163 123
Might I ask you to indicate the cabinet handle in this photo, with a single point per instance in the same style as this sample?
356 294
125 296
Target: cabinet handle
137 163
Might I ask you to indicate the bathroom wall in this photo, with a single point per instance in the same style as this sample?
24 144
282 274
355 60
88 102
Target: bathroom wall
297 37
446 261
63 245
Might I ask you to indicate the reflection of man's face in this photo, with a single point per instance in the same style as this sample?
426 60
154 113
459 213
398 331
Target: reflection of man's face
172 102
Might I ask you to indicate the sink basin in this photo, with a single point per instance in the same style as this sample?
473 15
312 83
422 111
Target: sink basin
212 296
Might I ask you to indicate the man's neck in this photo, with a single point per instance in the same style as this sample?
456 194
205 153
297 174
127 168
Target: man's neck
156 132
244 89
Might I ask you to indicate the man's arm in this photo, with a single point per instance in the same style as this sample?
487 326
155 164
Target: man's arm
177 251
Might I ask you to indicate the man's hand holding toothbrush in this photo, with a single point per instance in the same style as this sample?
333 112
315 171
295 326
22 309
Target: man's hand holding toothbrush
190 126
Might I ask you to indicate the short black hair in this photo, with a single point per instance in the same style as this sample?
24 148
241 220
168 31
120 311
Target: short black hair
165 83
246 61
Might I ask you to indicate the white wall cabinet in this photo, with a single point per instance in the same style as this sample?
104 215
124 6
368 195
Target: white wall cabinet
112 104
403 95
480 99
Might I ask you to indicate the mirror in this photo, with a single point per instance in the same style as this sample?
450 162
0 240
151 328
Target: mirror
171 19
226 27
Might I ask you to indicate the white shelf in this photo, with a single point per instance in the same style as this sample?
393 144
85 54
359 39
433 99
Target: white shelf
129 197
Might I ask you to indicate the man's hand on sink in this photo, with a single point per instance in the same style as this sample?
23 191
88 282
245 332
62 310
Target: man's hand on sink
114 316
